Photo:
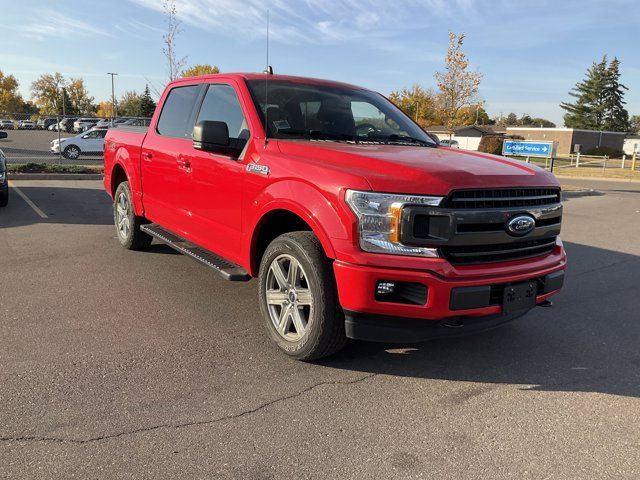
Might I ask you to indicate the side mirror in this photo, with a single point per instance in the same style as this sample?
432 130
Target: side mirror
213 136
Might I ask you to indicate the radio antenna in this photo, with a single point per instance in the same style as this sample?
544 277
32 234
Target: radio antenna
267 72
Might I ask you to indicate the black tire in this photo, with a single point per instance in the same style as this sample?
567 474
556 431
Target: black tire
131 238
4 198
324 334
72 152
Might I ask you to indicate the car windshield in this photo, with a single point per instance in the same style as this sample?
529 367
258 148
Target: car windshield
315 111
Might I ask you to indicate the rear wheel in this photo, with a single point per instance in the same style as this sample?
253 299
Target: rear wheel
126 222
298 297
4 198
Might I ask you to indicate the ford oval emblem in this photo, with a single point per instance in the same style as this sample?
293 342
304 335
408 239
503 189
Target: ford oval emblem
520 225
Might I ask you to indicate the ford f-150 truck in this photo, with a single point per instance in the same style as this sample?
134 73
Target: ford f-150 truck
355 221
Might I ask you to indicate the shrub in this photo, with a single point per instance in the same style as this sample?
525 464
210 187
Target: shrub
602 151
493 143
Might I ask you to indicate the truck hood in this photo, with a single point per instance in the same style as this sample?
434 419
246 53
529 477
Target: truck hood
420 170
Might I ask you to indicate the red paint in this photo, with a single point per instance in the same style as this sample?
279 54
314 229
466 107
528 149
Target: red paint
216 203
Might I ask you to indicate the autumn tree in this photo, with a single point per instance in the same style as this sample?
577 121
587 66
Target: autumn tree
457 85
10 99
418 103
473 115
174 63
200 69
105 109
129 104
46 92
81 102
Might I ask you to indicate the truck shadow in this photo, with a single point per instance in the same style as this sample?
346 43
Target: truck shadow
61 204
587 342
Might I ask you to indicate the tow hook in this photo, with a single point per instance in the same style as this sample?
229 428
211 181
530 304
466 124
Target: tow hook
546 304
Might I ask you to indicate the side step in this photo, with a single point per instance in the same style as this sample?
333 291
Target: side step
228 270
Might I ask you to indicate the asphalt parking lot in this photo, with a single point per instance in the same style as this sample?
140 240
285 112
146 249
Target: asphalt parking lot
24 146
119 364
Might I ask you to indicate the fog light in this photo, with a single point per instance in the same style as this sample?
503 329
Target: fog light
384 288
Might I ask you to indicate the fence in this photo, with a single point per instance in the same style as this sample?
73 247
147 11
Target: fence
77 140
589 165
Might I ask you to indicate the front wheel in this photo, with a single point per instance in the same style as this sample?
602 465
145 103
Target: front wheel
126 221
298 297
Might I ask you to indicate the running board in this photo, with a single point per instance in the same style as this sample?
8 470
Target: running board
228 270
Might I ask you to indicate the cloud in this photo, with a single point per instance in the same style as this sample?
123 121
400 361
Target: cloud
315 22
49 23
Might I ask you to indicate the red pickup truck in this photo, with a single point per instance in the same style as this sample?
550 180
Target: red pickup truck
355 221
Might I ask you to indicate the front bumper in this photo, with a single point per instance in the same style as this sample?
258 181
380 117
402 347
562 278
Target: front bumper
448 297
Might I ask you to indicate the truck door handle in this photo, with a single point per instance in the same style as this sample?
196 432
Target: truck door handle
147 156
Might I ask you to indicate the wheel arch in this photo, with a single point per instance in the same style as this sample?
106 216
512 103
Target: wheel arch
278 221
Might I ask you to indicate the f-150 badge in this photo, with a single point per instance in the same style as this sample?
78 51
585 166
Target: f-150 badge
259 169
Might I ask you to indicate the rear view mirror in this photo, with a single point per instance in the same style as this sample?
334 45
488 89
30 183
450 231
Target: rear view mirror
212 136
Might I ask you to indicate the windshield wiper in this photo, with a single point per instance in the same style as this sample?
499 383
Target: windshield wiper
394 137
320 135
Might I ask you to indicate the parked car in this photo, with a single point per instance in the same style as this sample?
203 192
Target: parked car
26 125
65 125
45 123
91 141
84 124
4 181
138 122
355 222
105 122
6 125
449 143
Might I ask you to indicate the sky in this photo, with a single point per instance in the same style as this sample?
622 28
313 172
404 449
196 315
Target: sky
530 53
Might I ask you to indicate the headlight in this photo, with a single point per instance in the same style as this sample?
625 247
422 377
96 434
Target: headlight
379 221
2 176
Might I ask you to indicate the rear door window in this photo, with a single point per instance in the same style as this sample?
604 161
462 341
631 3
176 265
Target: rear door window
175 118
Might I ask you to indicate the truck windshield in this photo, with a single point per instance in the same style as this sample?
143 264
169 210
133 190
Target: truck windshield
314 111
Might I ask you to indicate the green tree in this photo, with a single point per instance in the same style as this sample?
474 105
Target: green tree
634 124
511 119
599 101
147 105
616 118
10 99
200 69
543 123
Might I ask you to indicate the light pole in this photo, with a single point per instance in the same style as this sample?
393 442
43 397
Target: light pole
113 97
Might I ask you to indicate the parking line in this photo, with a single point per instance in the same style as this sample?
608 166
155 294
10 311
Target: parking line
28 200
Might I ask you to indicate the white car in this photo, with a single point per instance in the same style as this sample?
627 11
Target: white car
91 141
26 125
6 125
449 143
84 124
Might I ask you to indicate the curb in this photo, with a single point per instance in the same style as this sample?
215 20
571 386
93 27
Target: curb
581 193
55 176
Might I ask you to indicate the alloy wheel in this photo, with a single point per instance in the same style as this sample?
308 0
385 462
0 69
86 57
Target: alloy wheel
289 297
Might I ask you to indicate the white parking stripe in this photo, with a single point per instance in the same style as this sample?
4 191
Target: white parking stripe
28 200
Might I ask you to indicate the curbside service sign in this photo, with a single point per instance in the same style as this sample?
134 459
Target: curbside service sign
528 148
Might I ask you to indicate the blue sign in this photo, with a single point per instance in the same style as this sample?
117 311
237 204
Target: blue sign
526 148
